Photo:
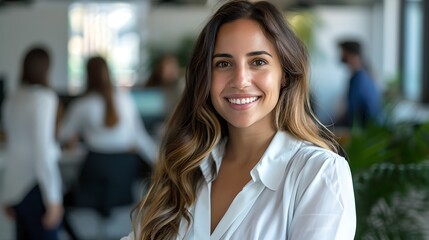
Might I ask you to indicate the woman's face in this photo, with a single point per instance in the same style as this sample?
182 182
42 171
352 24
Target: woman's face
170 70
246 75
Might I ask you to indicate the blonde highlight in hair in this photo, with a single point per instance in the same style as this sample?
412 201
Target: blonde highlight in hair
176 176
293 112
191 133
195 128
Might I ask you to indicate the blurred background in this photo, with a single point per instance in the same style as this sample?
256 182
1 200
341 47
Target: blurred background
388 160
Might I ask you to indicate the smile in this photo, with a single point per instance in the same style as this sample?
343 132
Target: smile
242 101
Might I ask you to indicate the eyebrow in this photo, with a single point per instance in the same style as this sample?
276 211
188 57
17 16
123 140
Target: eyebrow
255 53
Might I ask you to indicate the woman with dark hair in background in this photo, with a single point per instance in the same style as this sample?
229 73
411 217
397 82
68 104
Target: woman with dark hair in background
32 182
108 122
243 156
105 117
166 72
167 77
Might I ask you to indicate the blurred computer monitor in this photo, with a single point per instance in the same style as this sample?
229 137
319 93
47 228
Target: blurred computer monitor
151 105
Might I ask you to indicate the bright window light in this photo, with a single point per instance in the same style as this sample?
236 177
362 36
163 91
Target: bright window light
106 29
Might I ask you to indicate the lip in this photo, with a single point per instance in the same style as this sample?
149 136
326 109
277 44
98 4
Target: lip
242 95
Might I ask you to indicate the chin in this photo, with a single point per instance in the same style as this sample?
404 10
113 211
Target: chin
241 125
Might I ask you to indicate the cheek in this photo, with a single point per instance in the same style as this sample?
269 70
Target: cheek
275 86
272 83
217 85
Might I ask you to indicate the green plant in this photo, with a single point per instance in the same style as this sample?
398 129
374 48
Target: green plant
303 23
391 175
391 201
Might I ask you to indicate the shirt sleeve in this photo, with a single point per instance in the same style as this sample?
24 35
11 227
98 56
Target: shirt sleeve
46 151
326 208
71 123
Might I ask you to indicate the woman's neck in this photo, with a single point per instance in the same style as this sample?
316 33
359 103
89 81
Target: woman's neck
247 145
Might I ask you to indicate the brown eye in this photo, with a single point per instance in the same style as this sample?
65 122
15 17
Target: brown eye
259 62
222 64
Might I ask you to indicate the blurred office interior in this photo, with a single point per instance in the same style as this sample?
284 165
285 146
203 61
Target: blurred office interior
132 34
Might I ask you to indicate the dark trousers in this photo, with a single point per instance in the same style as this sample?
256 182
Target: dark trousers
29 213
104 182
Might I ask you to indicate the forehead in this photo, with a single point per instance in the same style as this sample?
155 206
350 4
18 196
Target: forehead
242 34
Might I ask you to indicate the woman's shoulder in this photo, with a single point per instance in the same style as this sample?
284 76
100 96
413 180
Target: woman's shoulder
36 89
37 93
124 98
310 150
299 157
305 150
315 166
122 93
315 159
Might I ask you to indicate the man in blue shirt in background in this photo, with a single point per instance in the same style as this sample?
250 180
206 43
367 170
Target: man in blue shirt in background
363 97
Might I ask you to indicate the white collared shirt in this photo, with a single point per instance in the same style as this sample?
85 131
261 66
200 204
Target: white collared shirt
298 192
86 117
31 149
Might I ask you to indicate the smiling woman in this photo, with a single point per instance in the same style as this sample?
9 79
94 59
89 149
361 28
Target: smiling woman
246 76
243 156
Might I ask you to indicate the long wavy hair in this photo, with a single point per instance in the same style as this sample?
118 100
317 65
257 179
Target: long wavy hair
98 80
195 127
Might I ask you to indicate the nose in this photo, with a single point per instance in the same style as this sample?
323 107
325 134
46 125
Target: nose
241 77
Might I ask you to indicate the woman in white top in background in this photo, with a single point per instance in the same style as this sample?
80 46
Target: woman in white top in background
32 182
243 156
112 130
106 117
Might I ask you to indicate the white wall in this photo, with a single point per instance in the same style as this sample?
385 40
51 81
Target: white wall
24 25
168 24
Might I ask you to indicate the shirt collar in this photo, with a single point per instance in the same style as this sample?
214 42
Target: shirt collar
270 168
213 159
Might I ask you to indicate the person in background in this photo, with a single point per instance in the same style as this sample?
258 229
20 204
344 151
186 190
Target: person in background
32 192
106 117
243 156
364 103
166 76
165 72
107 121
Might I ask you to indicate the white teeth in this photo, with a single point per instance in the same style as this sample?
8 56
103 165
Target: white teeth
241 101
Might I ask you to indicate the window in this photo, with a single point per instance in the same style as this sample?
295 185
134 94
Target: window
412 35
106 29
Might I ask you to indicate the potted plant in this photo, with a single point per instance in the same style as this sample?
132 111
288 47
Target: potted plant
391 179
